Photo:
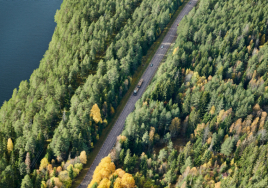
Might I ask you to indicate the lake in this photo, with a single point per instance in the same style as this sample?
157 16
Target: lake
26 28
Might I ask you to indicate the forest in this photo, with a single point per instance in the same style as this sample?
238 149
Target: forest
51 123
212 92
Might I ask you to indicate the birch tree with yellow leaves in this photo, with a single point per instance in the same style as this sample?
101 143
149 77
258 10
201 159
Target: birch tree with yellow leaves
83 157
95 113
105 171
9 145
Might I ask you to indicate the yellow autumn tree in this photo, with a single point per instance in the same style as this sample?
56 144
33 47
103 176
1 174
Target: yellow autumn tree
119 172
218 184
57 182
238 143
184 185
83 157
112 110
193 171
175 50
212 110
121 138
105 183
64 178
117 183
9 145
105 170
128 181
209 140
219 117
151 134
43 183
95 113
43 164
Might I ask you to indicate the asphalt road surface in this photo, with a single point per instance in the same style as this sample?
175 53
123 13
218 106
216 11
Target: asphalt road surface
129 107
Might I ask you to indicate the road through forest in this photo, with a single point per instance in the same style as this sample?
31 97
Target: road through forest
129 107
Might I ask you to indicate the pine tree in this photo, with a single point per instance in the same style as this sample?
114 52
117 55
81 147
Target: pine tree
198 182
263 39
53 183
12 160
26 182
30 145
54 172
167 138
206 156
122 155
219 106
186 105
162 155
22 169
188 162
227 146
170 146
170 176
127 159
193 119
145 138
71 173
2 147
38 180
174 127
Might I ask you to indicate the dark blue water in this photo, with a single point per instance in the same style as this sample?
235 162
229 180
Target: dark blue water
26 28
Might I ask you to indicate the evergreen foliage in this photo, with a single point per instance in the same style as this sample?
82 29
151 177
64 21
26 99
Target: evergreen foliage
95 49
212 91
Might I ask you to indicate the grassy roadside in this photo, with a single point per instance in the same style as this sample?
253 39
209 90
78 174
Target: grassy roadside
136 77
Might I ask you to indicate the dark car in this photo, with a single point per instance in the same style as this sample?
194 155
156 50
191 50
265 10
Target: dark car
151 65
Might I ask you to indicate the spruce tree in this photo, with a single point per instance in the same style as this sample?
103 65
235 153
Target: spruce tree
227 146
26 182
71 173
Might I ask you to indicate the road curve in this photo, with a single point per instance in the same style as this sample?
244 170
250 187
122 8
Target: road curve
129 107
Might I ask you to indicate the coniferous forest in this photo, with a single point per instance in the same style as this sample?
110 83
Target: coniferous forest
202 122
211 92
51 123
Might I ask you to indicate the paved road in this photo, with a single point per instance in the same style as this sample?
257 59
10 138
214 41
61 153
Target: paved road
147 76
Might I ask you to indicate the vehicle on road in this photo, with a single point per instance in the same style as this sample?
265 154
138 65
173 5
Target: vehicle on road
130 105
140 83
190 3
162 46
136 91
151 65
